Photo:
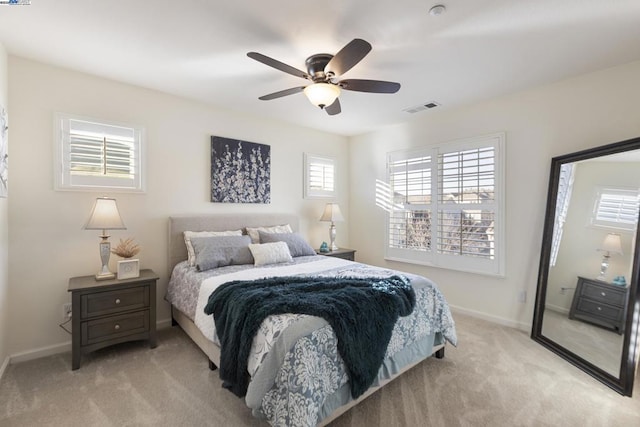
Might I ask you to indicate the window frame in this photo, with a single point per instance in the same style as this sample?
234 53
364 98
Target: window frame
64 180
309 161
431 257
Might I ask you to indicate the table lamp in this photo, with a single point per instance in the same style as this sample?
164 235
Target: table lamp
332 213
105 216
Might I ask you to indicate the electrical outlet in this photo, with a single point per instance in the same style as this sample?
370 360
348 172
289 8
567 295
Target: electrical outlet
66 311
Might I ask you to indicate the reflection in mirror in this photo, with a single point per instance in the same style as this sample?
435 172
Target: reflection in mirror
588 283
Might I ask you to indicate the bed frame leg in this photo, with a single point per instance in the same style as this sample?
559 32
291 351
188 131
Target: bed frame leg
440 353
212 366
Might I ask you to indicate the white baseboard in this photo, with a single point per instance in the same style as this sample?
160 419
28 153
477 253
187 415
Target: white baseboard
40 352
55 349
3 368
557 309
490 318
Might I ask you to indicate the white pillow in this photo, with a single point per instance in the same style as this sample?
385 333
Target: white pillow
270 253
191 255
255 237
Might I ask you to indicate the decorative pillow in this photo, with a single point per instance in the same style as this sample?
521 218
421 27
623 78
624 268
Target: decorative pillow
255 237
296 243
191 257
219 251
270 253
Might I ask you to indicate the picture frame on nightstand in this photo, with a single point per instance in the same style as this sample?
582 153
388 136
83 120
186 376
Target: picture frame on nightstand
128 269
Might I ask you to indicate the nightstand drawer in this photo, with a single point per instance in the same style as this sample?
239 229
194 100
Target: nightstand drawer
598 309
602 294
107 328
113 302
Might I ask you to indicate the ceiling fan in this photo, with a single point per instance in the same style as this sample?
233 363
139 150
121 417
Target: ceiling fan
323 70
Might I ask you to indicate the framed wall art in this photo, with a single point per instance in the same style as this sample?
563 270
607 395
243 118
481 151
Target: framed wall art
240 171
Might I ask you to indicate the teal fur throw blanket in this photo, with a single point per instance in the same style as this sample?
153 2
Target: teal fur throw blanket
361 311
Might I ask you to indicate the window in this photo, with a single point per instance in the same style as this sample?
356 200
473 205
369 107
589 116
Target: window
446 205
96 155
616 208
565 187
319 176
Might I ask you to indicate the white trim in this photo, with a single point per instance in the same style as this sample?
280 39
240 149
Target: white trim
40 352
62 182
4 365
64 347
523 326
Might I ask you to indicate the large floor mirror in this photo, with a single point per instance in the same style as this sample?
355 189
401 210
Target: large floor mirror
587 303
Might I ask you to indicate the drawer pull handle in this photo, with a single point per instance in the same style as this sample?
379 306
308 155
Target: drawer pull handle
599 308
118 326
117 300
604 294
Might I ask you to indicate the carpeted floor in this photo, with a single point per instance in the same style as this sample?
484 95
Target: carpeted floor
496 377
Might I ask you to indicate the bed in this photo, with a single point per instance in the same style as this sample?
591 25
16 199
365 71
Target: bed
296 375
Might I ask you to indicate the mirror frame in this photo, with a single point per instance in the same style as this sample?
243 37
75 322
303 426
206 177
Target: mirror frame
623 384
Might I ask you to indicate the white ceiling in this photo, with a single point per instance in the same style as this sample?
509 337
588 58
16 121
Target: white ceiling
477 50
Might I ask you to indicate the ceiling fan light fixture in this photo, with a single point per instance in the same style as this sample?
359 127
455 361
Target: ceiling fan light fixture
322 94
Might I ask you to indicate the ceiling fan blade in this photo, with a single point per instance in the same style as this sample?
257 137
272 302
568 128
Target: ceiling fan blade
348 56
278 65
375 86
334 108
282 93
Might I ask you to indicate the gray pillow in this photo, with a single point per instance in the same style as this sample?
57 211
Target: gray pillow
298 246
220 251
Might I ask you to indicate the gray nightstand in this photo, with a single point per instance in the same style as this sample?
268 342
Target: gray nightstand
344 253
600 303
108 312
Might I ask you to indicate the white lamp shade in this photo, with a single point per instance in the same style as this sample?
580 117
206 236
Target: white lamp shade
322 94
105 216
611 244
332 213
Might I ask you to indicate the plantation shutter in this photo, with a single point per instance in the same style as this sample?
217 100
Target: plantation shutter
445 205
617 208
99 155
320 175
410 220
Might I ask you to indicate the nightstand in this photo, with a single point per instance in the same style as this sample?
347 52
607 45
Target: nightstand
344 253
600 303
108 312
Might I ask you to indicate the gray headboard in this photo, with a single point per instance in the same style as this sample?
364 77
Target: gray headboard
218 222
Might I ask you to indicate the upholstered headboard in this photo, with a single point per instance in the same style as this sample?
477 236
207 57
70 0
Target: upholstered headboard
218 222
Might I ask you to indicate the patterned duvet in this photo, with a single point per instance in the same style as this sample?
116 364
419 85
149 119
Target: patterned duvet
298 378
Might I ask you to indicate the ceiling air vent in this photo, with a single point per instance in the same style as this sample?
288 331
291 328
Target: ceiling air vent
425 106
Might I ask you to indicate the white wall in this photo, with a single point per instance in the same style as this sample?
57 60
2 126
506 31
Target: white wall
4 239
46 239
578 113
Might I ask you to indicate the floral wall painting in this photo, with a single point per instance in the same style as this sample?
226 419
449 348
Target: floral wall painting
240 171
4 156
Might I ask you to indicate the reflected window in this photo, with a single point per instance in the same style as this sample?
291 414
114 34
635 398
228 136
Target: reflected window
565 185
616 208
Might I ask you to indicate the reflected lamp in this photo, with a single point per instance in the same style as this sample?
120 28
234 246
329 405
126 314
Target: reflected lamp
610 245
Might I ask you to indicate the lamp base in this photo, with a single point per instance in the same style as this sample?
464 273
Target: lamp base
105 276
